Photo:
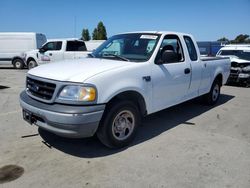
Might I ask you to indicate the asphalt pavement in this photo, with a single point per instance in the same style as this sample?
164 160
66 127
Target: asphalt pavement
189 145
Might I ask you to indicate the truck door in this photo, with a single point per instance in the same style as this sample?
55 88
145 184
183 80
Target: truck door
53 52
75 50
170 80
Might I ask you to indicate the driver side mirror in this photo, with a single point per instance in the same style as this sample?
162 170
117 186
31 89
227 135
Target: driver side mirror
42 50
168 56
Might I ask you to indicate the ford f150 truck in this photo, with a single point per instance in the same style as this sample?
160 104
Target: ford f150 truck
60 49
129 76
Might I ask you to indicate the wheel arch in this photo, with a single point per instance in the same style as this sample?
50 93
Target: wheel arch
15 58
133 96
219 77
30 59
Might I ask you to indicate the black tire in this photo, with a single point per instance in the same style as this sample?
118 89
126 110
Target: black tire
32 64
214 94
111 133
18 63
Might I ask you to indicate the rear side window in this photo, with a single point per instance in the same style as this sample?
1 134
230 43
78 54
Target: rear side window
53 46
191 48
76 46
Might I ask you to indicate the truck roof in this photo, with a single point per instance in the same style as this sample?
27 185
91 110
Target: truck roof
64 39
158 32
236 47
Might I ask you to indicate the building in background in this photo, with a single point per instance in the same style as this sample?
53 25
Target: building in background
209 48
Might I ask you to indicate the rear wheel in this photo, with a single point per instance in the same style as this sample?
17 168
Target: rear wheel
32 64
119 124
213 96
18 63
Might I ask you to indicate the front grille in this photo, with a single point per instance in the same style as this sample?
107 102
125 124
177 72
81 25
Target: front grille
234 71
40 89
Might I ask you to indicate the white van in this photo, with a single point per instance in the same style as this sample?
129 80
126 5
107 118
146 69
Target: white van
13 46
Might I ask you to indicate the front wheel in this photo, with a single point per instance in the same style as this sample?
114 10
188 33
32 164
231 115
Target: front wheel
32 64
119 124
213 96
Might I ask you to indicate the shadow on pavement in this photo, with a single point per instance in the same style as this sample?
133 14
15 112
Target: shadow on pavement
4 87
7 68
152 126
11 68
244 85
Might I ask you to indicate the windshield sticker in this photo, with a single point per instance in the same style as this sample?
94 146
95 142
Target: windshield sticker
148 37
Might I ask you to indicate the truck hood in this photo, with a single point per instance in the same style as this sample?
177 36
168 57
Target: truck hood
32 51
238 60
76 70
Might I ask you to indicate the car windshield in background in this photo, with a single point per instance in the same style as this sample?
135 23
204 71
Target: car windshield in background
242 54
136 47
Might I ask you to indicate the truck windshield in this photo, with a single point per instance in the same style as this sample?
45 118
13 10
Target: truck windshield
136 47
242 54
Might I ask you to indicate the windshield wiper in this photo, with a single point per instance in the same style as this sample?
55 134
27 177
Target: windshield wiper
117 56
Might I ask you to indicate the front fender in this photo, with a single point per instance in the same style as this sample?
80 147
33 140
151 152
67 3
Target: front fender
111 83
118 88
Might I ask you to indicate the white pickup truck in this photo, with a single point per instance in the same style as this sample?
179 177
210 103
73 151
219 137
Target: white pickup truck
58 50
129 76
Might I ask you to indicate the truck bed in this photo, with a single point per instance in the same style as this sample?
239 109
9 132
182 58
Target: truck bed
212 58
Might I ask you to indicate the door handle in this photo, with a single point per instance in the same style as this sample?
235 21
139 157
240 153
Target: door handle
146 78
187 70
50 54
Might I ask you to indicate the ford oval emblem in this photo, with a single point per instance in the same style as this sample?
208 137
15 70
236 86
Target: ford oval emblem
36 88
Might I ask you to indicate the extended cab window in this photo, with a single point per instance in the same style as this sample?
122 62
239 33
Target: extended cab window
171 43
76 46
53 46
191 48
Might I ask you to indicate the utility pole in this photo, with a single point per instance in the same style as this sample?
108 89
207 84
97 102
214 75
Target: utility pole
74 26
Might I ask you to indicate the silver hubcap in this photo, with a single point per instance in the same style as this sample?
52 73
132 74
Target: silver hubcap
18 64
123 125
215 92
31 64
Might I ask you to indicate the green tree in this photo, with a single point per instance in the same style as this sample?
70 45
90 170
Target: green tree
99 32
85 35
241 39
94 34
223 39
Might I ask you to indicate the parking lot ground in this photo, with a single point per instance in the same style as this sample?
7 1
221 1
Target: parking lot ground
189 145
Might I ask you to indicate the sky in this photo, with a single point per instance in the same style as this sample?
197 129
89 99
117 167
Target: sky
207 20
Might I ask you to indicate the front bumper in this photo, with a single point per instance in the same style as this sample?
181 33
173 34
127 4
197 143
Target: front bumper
239 78
63 120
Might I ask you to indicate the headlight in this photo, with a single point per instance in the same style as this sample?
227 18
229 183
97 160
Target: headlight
246 69
242 75
78 93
